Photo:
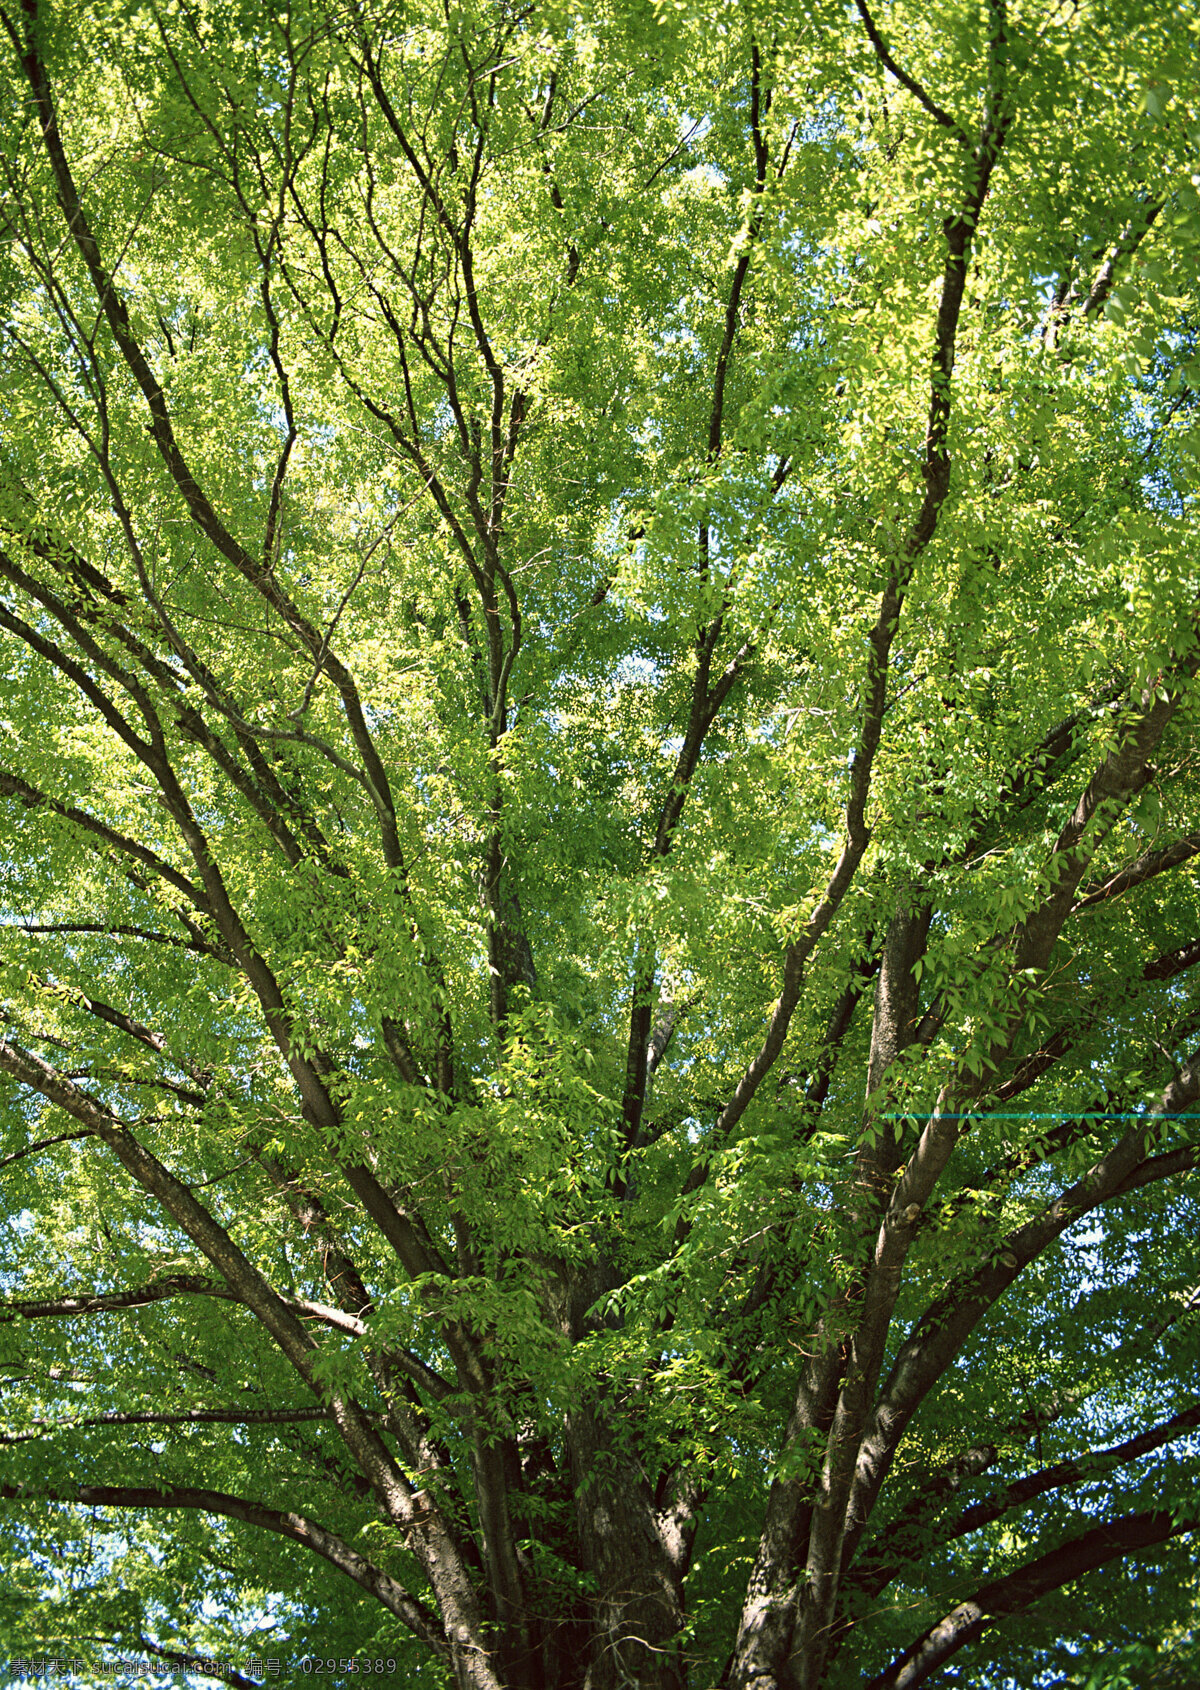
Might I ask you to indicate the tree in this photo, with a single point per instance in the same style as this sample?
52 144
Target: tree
600 925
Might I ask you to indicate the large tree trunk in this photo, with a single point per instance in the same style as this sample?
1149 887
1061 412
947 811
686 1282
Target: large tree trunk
634 1546
637 1615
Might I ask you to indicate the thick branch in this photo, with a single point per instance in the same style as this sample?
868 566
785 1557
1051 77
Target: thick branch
877 1570
13 786
786 1619
944 1329
297 1527
1119 777
242 1278
1012 1595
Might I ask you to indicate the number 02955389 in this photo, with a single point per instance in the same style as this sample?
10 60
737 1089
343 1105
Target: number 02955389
327 1665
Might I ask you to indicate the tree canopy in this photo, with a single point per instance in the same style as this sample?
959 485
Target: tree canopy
599 618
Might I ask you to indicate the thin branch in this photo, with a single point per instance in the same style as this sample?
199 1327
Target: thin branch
1095 1464
1128 244
243 1279
204 1665
104 1302
181 1417
1144 868
43 1144
200 508
906 81
111 930
190 1285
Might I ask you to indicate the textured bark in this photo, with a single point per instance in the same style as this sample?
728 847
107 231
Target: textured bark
896 996
635 1545
637 1612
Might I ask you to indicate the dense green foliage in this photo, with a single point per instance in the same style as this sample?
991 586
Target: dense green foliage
598 610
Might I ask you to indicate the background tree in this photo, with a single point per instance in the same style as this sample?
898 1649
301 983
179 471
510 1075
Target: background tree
600 629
